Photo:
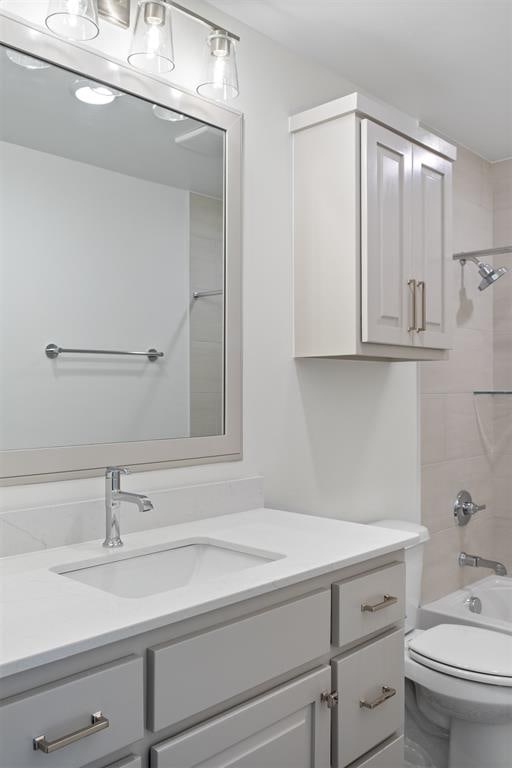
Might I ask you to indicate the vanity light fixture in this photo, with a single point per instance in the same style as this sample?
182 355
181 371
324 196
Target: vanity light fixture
94 93
221 75
152 49
73 19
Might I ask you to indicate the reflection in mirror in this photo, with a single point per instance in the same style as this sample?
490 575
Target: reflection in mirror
111 241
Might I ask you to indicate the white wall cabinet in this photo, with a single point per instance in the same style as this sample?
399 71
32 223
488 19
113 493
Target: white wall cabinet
372 234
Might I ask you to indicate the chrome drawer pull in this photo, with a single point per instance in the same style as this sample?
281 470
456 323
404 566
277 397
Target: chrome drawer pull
98 723
371 608
387 693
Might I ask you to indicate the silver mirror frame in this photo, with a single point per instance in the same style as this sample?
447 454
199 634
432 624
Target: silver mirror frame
46 464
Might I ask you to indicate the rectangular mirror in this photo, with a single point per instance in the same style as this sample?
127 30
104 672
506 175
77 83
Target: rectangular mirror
119 228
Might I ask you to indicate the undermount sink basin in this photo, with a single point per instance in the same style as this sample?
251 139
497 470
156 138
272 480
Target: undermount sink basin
147 573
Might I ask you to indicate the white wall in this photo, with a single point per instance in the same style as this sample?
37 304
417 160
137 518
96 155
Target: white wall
330 437
81 267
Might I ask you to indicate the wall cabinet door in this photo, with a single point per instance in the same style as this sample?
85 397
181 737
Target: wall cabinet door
386 235
432 194
405 241
286 728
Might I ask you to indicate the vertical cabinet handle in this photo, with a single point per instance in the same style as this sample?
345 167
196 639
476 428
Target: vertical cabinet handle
412 287
423 287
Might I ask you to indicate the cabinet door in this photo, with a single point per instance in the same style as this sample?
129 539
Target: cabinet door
286 728
386 235
432 194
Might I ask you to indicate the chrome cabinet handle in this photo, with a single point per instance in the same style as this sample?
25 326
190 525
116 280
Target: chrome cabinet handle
412 286
373 607
98 723
387 693
423 287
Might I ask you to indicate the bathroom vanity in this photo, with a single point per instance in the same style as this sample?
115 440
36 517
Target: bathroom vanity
273 639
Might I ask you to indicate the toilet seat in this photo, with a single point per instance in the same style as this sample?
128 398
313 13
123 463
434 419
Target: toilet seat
470 653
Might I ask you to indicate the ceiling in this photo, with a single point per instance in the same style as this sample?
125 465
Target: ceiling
446 62
40 111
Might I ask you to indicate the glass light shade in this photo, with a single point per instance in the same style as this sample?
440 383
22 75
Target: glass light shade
22 60
220 81
152 48
73 19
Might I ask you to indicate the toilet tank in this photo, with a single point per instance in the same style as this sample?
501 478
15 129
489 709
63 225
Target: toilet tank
413 566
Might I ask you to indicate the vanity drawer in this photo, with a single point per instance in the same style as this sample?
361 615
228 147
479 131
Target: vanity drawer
390 756
367 604
63 708
370 684
189 676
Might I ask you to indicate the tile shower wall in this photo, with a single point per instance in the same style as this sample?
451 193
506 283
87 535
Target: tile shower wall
502 404
456 429
206 316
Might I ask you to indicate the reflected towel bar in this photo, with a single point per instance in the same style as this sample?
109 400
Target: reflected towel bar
52 351
201 294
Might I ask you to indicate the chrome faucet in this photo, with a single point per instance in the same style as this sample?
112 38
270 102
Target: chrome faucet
113 498
475 561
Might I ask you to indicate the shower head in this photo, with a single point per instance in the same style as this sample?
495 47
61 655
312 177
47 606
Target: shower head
488 274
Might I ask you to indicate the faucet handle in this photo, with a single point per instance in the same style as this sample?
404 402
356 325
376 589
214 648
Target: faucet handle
464 507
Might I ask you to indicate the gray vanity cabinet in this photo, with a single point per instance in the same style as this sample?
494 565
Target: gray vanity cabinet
308 677
288 727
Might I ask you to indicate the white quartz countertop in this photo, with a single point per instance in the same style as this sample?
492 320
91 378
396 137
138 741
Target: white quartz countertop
46 617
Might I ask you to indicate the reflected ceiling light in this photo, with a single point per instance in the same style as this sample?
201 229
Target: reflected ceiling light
94 93
220 80
152 48
168 114
22 60
73 19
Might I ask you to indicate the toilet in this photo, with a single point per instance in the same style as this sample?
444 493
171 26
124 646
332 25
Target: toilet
462 675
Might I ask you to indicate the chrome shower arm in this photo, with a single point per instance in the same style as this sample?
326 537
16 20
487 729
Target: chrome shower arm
475 255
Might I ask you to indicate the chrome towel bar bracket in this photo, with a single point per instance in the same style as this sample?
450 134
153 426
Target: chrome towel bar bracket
52 351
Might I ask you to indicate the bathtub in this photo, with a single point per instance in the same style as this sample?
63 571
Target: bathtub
495 593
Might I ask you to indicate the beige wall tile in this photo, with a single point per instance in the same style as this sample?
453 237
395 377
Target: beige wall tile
433 429
469 426
501 174
503 357
469 366
503 539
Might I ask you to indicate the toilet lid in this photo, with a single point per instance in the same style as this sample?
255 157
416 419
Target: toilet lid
467 652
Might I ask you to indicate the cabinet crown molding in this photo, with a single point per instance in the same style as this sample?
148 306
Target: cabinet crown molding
379 112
